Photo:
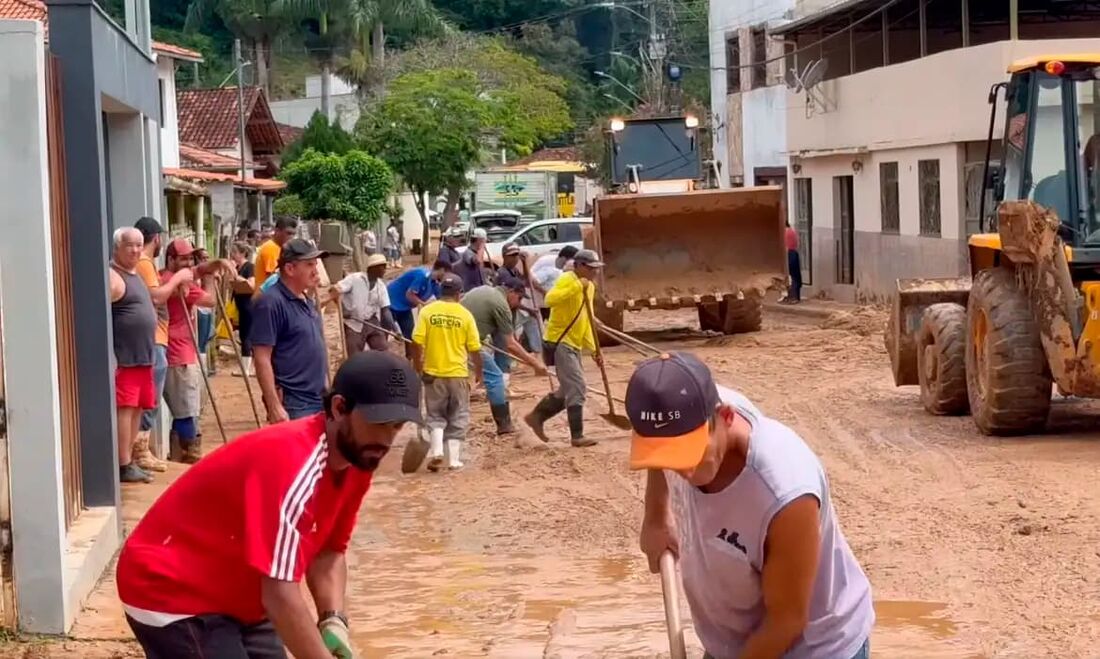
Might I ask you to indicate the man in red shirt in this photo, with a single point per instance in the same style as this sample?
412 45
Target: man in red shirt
213 569
794 266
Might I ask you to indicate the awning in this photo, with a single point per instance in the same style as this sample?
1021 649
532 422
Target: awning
828 15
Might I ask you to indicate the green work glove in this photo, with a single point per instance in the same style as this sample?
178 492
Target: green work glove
334 632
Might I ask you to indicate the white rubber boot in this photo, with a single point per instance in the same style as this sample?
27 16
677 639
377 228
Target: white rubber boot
454 453
248 371
507 382
435 452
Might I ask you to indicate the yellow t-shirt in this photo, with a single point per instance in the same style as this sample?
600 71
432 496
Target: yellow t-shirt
267 261
564 300
148 273
447 332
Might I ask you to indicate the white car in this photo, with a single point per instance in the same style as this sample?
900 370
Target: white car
544 237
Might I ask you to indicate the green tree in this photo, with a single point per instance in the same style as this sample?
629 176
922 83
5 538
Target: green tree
429 129
321 136
353 187
258 23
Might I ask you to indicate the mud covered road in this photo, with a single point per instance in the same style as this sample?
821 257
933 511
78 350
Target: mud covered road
975 546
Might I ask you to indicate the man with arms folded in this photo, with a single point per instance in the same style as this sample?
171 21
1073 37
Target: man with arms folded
746 505
214 568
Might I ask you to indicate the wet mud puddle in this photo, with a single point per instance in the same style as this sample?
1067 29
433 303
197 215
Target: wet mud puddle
419 590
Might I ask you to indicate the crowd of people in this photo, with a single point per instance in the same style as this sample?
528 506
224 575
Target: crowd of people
739 497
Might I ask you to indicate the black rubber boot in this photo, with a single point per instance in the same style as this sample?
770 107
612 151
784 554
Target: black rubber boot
550 405
576 427
502 415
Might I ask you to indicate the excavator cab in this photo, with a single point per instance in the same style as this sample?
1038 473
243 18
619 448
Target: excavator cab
993 345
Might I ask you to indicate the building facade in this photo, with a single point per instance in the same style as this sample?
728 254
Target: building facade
887 146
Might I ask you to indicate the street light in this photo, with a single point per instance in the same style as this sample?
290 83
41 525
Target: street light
608 76
617 125
616 5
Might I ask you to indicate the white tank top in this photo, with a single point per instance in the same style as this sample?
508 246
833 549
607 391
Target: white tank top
722 548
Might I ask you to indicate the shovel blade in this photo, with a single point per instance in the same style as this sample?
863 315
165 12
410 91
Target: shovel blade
415 452
617 420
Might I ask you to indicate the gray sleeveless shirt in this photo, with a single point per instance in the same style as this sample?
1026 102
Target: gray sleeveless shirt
722 548
134 321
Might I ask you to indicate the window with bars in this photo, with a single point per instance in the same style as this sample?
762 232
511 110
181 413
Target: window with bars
928 181
888 191
759 57
733 64
804 224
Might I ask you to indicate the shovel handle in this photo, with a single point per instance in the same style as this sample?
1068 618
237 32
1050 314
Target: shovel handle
676 647
599 356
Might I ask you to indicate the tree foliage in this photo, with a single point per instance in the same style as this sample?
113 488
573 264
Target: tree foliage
353 187
321 136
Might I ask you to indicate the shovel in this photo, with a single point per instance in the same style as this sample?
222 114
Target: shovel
617 420
676 647
415 451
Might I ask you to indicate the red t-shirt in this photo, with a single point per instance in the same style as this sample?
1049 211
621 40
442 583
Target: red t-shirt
792 239
264 505
181 347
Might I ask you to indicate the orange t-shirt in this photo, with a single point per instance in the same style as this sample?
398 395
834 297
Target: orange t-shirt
147 270
267 261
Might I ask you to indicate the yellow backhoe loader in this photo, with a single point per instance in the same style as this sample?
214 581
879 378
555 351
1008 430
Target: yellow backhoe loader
1029 317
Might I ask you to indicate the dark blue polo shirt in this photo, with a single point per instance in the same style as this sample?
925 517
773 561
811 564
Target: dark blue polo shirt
292 326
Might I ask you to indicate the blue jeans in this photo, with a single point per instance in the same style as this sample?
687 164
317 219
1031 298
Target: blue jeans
204 328
404 320
529 326
494 378
160 372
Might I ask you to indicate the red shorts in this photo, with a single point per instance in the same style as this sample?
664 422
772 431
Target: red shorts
134 387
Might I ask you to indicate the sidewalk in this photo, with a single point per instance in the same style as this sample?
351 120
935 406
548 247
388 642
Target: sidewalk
810 309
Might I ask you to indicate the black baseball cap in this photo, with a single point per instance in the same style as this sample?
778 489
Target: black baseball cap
300 249
568 252
451 284
514 284
587 257
509 249
380 386
149 228
670 401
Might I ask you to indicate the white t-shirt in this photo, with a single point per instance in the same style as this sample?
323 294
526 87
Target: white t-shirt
545 272
722 538
370 241
361 301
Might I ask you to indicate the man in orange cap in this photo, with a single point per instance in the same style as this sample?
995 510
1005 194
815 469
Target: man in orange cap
746 505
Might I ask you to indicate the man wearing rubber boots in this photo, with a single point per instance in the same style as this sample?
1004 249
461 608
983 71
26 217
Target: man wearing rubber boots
746 505
214 568
445 340
492 308
568 333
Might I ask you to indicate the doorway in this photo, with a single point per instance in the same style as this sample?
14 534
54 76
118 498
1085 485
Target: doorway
844 212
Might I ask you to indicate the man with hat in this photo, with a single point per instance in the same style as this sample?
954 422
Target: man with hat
545 272
492 308
365 299
514 266
288 342
445 340
746 504
214 568
568 334
469 266
183 383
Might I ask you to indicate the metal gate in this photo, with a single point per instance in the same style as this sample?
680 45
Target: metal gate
63 297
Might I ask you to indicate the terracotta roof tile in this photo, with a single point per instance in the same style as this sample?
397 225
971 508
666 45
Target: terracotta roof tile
562 153
267 184
208 119
31 10
199 158
172 50
290 133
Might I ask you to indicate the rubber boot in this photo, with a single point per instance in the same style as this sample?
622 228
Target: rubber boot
144 457
192 451
454 454
502 415
435 453
576 427
249 372
550 405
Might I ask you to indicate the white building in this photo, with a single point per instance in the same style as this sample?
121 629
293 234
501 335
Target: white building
298 111
747 90
886 152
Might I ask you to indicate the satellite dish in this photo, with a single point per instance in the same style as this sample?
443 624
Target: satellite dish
814 72
792 79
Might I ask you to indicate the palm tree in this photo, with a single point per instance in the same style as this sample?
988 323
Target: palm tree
256 22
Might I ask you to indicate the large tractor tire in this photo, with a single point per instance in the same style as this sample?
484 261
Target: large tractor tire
1007 376
732 316
941 359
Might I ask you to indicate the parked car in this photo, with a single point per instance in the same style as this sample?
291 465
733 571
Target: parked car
544 237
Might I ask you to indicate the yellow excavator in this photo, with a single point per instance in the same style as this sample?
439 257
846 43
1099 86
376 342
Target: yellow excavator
1029 316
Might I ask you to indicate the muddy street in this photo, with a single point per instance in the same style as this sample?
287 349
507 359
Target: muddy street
975 546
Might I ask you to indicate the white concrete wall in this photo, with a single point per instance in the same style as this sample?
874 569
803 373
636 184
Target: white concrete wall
30 338
938 99
169 128
763 129
298 111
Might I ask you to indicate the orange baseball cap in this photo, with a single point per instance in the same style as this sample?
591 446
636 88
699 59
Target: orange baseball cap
179 247
670 401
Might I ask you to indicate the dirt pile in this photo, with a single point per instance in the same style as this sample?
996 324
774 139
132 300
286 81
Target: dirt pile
864 321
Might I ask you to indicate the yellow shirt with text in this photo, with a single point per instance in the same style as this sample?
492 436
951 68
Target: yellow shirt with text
447 332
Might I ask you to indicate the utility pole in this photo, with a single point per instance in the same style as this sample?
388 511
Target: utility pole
240 104
656 54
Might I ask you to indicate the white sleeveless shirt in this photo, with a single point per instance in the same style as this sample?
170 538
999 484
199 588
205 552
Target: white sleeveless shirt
722 548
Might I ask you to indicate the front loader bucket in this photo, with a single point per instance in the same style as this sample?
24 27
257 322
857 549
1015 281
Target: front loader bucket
913 297
700 243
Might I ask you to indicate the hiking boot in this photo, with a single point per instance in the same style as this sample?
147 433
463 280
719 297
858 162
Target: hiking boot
502 415
576 428
144 458
550 405
132 473
191 451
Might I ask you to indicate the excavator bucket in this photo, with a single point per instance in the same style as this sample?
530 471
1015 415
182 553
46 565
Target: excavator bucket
913 297
700 243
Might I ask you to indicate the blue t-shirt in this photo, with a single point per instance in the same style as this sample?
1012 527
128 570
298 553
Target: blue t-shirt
419 281
292 327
